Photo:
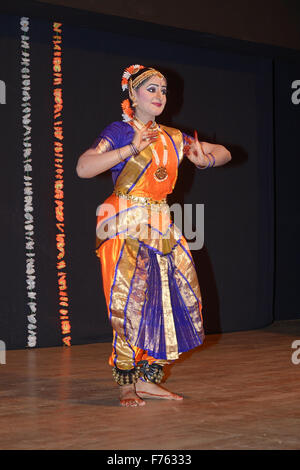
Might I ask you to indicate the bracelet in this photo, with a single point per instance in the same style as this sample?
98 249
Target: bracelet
120 156
211 163
135 151
204 167
213 159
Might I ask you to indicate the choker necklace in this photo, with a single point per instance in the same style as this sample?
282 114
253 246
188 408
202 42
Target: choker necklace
161 173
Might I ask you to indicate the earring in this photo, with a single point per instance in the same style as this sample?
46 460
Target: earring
134 103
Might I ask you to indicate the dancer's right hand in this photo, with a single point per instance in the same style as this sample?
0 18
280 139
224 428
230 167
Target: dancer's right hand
144 136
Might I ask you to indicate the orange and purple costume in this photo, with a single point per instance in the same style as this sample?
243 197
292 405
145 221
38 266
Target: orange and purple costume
149 278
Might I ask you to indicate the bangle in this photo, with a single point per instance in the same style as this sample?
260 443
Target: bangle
214 160
210 164
120 156
135 151
204 167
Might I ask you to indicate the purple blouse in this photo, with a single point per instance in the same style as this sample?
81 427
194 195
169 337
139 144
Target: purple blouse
119 134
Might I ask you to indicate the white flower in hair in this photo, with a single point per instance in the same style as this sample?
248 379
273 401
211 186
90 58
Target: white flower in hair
125 117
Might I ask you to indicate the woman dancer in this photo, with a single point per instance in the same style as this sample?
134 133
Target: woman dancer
149 279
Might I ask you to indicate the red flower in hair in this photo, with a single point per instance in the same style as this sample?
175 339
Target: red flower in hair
127 110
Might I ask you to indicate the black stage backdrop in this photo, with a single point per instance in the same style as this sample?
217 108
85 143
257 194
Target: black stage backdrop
60 86
287 196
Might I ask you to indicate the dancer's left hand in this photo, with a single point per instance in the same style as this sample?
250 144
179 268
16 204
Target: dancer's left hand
194 151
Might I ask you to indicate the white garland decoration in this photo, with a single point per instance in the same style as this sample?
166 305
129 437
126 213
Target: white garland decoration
127 75
125 118
28 186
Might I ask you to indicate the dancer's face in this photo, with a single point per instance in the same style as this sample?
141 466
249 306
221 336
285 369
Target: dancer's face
151 97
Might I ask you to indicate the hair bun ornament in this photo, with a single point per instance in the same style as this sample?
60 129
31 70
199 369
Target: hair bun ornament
131 70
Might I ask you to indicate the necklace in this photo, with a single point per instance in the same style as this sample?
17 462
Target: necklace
160 173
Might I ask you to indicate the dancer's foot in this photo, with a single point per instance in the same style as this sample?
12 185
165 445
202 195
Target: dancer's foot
128 397
151 390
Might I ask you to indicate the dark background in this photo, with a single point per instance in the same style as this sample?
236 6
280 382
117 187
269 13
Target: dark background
234 92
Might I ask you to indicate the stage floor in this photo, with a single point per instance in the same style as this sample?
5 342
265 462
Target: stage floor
241 391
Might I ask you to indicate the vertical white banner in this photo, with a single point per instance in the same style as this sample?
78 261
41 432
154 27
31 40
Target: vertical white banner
28 186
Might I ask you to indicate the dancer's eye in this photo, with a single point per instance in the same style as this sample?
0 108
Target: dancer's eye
153 89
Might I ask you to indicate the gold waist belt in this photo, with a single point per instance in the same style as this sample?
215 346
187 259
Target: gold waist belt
141 200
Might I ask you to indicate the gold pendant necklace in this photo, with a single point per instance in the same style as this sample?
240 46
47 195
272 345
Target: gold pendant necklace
161 173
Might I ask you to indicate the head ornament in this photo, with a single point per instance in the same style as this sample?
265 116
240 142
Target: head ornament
129 82
128 72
